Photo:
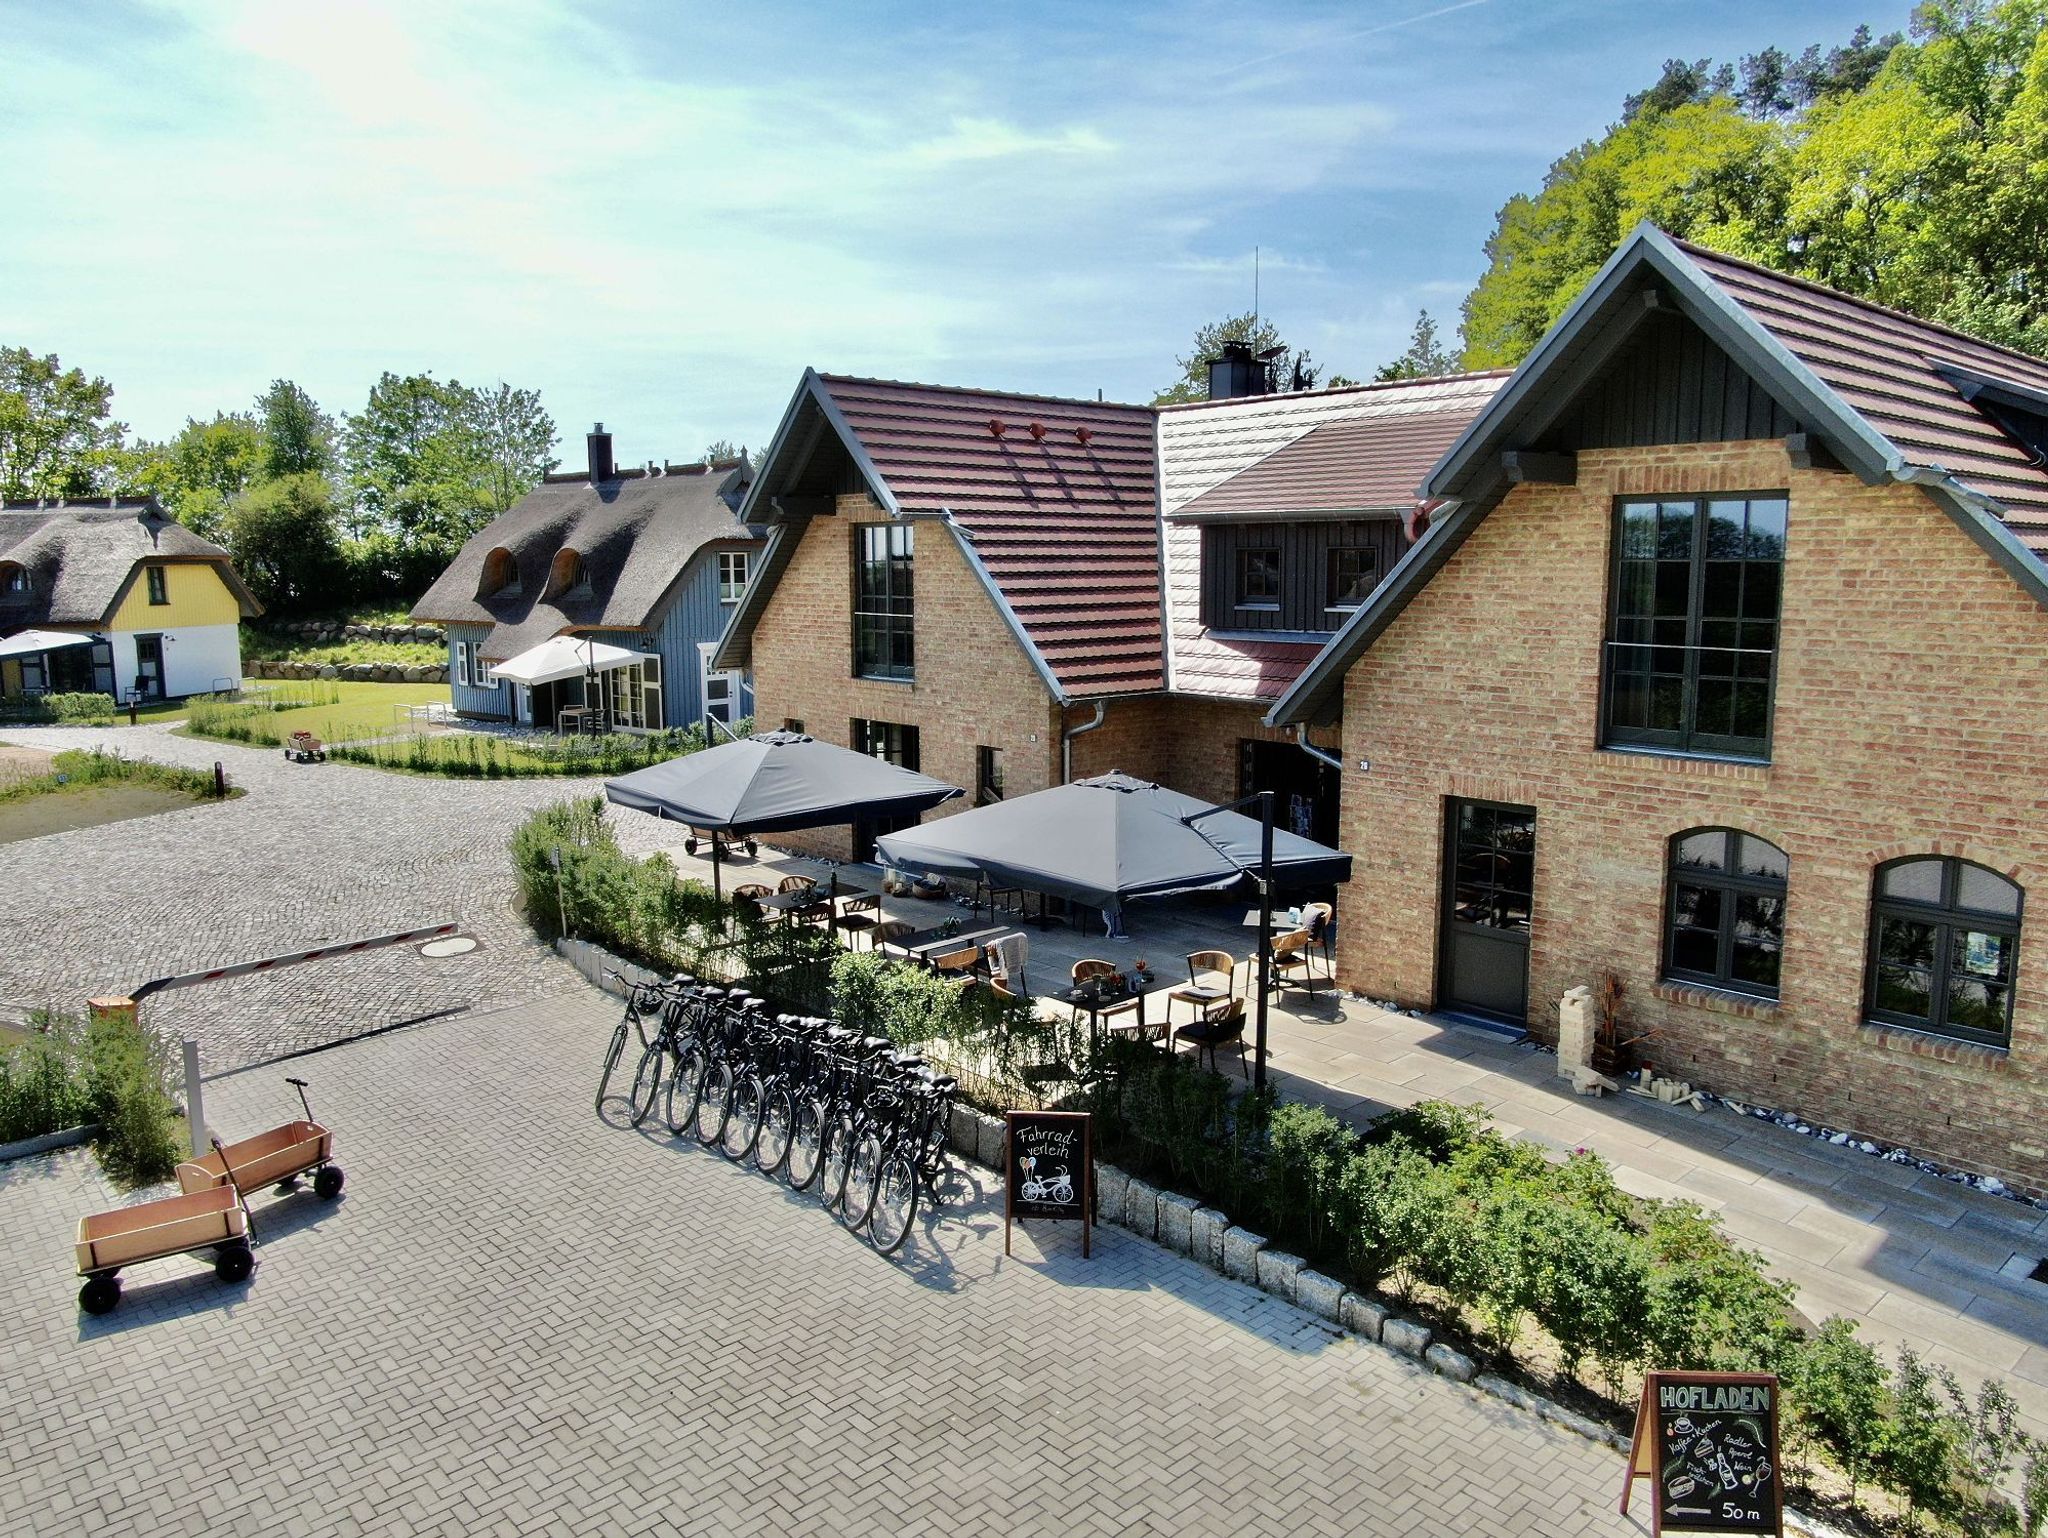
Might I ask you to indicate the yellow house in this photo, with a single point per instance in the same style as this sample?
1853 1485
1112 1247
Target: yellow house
114 598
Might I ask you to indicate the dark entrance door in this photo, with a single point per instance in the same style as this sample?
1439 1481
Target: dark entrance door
149 666
1304 789
1489 879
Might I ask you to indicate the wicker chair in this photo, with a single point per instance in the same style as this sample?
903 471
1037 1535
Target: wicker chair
884 936
750 895
1294 962
796 883
1212 983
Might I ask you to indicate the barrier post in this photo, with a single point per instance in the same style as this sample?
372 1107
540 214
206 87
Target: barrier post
195 1108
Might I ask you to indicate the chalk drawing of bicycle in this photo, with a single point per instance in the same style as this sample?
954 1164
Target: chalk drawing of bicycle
1059 1189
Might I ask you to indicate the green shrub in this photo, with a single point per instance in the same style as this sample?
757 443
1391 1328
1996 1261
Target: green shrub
138 1142
1919 1444
42 1080
1711 1304
82 769
1835 1391
1308 1152
64 709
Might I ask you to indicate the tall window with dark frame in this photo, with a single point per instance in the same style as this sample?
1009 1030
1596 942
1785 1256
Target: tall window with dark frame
1692 641
1725 911
988 775
1944 948
1258 577
1350 574
159 584
889 741
883 643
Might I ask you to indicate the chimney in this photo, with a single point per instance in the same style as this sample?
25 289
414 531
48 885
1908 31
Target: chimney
1236 373
598 442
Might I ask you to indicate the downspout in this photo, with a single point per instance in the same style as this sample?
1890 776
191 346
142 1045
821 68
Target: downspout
1320 755
1067 741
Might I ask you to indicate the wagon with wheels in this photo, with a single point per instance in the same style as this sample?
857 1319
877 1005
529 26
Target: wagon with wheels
697 836
278 1158
109 1242
305 748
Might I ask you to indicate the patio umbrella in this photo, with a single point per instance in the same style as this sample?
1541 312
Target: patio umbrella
773 782
1103 840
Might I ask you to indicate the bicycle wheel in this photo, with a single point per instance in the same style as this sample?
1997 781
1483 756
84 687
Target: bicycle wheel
863 1174
611 1060
714 1102
647 1082
682 1089
743 1121
801 1164
895 1204
772 1146
835 1154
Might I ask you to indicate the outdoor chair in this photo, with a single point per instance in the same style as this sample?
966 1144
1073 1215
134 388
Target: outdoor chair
858 916
964 962
818 914
1294 962
796 883
883 937
747 896
1224 1028
1212 983
1090 970
1007 957
1320 920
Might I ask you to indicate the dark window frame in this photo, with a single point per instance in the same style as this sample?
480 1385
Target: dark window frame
1946 918
897 741
988 774
1242 596
1688 737
884 613
1331 559
158 583
18 580
1732 885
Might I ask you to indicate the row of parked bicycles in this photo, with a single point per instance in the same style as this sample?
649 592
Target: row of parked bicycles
825 1108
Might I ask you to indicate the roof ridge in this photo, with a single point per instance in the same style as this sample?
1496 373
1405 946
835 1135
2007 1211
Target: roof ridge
1367 387
1796 280
1015 395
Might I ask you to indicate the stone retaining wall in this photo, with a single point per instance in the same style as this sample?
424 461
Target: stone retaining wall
357 672
327 633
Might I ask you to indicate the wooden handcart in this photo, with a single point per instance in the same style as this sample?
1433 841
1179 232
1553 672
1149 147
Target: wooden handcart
108 1242
274 1158
305 748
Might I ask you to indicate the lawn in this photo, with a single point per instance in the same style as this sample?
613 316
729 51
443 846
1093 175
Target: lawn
331 710
77 789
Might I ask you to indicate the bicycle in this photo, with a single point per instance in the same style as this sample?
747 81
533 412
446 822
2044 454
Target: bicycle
639 996
911 1161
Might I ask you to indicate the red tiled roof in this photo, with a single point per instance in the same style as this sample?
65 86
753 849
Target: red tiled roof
1882 364
1028 503
1345 466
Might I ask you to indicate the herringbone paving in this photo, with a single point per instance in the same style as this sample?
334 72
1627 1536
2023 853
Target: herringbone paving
522 1319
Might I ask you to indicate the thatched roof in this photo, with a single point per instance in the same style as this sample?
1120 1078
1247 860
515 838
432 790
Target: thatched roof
82 557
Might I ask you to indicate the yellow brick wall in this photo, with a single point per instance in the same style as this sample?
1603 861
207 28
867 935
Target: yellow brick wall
1908 719
974 683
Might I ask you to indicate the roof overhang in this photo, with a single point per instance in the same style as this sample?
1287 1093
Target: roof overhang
1296 514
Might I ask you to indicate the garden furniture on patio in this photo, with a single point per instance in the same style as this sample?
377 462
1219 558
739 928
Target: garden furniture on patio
858 915
1294 962
753 894
922 944
1008 955
1222 1028
796 884
1212 982
889 933
961 961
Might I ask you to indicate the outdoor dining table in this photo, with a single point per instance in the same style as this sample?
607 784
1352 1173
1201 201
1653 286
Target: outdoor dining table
1285 920
810 896
1105 1008
922 945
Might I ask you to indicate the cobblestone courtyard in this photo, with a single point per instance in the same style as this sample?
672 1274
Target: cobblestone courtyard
312 853
519 1318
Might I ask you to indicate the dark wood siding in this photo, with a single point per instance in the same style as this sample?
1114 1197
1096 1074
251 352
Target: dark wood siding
1670 384
1304 550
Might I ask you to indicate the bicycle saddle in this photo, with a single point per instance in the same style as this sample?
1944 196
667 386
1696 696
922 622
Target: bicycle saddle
875 1046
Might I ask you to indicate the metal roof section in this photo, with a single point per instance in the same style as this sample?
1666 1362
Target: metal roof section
1868 381
1345 468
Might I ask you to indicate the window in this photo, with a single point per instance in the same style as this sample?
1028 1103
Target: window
793 724
462 663
480 673
1692 641
14 579
1350 573
882 635
501 574
732 575
988 775
159 586
886 740
1258 577
565 575
1944 944
1725 911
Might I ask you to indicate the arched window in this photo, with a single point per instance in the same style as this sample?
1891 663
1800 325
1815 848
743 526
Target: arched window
501 574
1944 948
14 580
1724 920
565 574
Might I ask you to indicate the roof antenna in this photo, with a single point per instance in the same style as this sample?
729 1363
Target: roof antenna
1255 294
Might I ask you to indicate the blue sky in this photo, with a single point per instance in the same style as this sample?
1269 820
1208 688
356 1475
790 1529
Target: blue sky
659 213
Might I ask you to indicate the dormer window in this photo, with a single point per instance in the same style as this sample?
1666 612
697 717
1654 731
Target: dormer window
566 574
501 574
14 581
1295 576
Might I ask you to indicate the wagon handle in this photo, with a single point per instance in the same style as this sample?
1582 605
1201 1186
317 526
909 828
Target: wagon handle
300 1086
248 1217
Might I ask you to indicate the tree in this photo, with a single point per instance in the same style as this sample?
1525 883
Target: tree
282 535
298 436
1425 357
195 475
429 463
719 449
57 434
1291 370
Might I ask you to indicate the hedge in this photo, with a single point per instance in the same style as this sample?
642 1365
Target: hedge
113 1072
64 709
1498 1238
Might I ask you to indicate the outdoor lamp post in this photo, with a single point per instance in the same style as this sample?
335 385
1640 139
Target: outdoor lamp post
1264 877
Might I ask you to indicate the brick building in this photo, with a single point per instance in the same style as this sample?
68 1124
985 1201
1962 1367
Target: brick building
1723 675
1009 591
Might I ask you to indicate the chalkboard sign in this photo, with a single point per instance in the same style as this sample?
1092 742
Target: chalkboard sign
1708 1444
1049 1172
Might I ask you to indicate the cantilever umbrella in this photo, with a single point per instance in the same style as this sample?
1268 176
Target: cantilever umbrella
773 782
1103 840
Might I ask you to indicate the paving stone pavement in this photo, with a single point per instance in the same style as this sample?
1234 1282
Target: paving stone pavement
522 1318
311 853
